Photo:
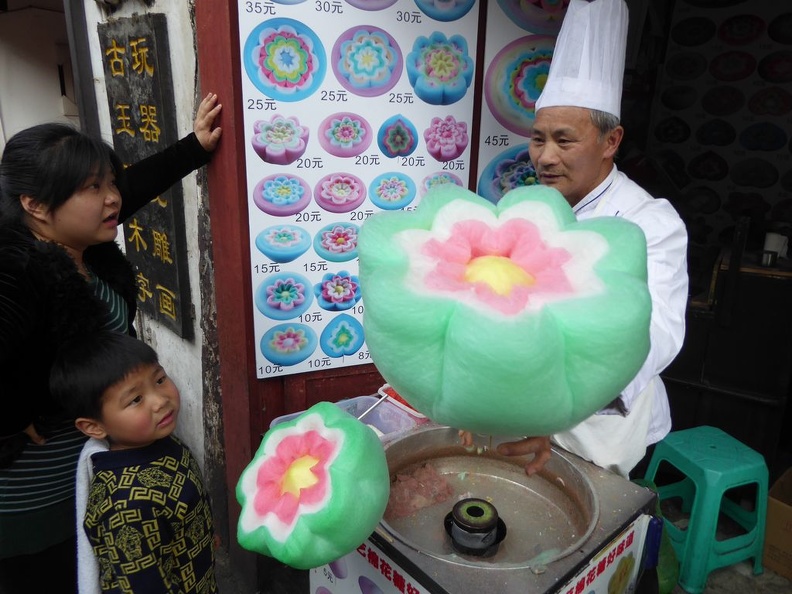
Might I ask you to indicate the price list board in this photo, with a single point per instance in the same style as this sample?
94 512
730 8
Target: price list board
351 107
518 46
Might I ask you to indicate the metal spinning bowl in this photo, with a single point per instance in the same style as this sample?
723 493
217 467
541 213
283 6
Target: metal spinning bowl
548 515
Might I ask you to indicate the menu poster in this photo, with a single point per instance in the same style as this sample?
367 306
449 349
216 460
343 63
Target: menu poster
518 45
350 108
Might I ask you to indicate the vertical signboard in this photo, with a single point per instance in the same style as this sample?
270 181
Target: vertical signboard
139 83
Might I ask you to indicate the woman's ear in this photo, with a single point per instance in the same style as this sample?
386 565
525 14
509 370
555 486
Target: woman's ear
91 427
33 207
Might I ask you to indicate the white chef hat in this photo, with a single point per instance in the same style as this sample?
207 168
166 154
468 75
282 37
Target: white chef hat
587 68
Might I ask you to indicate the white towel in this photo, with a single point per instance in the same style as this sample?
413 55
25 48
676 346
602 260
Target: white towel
87 565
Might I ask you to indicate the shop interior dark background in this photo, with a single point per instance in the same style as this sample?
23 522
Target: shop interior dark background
707 110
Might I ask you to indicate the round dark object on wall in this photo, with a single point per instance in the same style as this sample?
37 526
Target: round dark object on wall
672 129
780 28
776 67
709 165
701 200
686 66
693 31
763 136
716 132
679 97
741 29
786 181
774 101
753 172
732 66
782 211
723 101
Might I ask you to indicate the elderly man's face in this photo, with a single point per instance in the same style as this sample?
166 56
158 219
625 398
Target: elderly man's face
567 153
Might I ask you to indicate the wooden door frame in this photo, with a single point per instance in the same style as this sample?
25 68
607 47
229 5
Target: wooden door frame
218 62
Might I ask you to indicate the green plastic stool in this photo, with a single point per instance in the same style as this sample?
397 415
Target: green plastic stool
712 463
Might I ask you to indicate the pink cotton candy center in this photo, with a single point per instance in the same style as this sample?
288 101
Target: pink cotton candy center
474 243
279 491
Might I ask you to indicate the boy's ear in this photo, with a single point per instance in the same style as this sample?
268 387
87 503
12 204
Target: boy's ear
91 427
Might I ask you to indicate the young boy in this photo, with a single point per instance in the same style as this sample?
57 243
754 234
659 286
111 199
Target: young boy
148 517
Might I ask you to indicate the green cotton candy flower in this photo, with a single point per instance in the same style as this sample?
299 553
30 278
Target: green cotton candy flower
315 489
508 319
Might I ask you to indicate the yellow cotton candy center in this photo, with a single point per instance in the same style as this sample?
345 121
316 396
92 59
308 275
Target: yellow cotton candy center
500 273
299 476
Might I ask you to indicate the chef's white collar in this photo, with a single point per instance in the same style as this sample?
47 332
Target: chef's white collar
592 199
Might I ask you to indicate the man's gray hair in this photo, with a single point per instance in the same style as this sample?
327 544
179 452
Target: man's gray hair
604 122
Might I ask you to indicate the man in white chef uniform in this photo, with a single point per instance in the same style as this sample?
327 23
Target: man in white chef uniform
575 137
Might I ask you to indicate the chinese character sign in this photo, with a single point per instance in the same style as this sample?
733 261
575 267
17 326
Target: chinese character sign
368 569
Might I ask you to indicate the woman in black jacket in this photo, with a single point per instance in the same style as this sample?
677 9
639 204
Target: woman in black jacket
62 196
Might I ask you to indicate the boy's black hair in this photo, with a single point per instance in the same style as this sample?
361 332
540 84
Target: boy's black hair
86 366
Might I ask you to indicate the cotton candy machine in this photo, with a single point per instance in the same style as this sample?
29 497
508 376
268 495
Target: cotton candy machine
572 527
546 516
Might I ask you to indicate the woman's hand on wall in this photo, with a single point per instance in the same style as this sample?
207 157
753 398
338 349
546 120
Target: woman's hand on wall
208 111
